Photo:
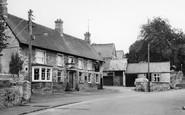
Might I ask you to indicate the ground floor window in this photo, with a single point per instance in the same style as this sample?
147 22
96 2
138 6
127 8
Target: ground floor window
156 77
89 77
97 78
81 77
60 76
40 73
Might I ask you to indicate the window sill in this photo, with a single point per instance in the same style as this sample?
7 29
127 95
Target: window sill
42 81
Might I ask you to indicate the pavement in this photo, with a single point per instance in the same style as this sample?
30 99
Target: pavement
45 101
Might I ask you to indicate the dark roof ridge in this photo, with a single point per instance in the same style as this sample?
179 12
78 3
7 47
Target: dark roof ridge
34 23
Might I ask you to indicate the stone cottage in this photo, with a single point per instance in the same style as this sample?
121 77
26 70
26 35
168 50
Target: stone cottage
59 60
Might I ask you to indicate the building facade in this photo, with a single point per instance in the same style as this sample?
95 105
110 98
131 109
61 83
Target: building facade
159 72
59 61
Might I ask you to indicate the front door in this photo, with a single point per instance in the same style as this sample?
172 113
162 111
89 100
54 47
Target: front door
71 79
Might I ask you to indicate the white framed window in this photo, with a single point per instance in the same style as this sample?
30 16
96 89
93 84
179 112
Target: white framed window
71 59
97 78
81 77
80 63
40 56
89 65
89 78
60 76
60 59
41 74
156 77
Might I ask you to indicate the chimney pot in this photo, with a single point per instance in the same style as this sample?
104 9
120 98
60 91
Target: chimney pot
87 36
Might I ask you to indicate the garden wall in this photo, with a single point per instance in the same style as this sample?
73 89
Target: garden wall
13 92
154 86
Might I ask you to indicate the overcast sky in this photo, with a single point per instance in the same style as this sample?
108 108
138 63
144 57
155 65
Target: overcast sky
110 21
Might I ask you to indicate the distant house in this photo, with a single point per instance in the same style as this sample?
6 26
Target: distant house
159 72
114 67
114 72
107 51
59 60
120 54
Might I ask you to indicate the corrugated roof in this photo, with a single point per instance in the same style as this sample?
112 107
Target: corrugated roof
105 50
115 65
161 67
53 41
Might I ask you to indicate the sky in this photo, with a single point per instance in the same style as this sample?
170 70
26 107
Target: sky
109 21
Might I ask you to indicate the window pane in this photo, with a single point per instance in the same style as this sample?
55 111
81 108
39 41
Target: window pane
48 74
43 73
89 77
59 73
40 56
58 79
97 77
89 65
36 74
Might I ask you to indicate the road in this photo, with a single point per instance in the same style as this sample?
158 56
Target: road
127 102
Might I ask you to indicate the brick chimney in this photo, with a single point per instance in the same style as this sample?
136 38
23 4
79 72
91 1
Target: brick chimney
3 8
59 26
87 36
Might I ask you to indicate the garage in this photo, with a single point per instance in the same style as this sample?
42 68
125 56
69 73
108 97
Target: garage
108 80
130 79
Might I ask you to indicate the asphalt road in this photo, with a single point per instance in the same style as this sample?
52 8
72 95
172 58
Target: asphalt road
127 102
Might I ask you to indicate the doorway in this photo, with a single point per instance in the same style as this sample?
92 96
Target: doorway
130 79
71 78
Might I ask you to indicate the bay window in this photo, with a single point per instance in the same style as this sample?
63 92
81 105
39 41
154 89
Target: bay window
41 74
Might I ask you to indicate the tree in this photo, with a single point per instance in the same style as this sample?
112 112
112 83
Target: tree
166 44
3 36
15 64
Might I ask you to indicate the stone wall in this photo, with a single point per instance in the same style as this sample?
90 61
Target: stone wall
14 93
88 86
141 86
176 79
154 86
10 97
42 87
159 86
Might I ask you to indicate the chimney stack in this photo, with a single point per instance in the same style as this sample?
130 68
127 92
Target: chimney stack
87 36
59 26
3 8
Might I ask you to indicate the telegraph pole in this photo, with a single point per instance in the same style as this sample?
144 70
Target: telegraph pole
30 45
149 67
